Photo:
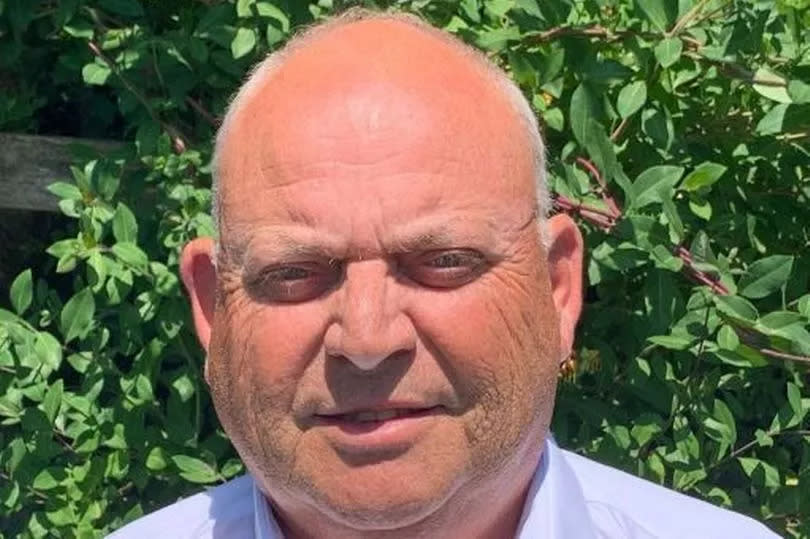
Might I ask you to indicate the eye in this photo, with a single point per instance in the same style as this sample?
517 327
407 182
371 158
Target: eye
445 268
293 283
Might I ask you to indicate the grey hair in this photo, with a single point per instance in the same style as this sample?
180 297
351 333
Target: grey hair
275 60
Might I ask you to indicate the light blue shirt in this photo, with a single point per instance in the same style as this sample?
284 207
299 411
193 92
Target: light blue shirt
570 497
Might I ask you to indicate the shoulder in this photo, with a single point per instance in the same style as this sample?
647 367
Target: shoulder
223 511
620 500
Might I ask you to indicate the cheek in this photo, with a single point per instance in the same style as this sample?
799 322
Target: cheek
268 345
256 365
496 339
499 326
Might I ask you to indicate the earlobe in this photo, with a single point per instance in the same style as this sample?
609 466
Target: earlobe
200 279
565 271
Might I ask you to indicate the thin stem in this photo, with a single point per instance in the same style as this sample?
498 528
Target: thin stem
178 140
202 111
687 17
745 447
619 130
770 352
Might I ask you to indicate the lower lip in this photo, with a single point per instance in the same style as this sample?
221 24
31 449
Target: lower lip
397 432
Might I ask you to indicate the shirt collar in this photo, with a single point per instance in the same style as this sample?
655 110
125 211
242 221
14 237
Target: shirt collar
555 506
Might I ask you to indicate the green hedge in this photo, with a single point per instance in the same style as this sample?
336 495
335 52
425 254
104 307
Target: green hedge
677 135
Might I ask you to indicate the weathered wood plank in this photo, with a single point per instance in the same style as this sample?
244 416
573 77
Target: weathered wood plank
29 163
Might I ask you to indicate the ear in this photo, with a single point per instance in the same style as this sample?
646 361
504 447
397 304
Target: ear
565 272
200 279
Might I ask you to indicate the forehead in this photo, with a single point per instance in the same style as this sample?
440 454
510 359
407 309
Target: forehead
337 134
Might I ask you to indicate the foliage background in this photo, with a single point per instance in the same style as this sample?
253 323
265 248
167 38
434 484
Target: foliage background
677 134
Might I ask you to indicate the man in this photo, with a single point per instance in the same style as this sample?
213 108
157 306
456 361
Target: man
387 307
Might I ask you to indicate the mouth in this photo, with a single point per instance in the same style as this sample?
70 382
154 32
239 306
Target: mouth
374 431
371 417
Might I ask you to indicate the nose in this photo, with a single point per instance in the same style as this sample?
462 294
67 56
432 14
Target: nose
369 325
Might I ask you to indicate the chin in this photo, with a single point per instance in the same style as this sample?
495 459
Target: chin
395 513
388 495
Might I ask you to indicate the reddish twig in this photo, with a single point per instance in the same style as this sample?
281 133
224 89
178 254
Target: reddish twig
782 355
697 275
610 202
178 141
202 111
601 218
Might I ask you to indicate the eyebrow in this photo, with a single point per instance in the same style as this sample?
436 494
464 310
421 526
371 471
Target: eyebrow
431 240
282 241
303 242
433 234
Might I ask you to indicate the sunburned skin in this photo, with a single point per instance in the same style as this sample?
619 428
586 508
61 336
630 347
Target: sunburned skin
383 326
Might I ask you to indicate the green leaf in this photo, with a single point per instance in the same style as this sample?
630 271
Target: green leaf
704 175
761 473
736 307
232 467
727 338
655 184
124 225
744 357
766 276
96 74
582 111
720 426
63 516
497 39
799 91
794 396
664 259
195 470
45 480
773 122
658 125
672 342
659 12
48 350
668 51
676 230
156 459
631 98
243 8
65 190
553 118
77 314
701 208
80 29
143 388
22 292
779 319
804 305
243 42
600 148
771 85
269 10
53 400
131 254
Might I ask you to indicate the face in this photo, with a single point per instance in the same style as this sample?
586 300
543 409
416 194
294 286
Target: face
384 329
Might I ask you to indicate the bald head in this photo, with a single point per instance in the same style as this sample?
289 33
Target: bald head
377 71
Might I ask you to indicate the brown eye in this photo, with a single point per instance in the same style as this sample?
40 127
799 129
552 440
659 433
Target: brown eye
294 282
446 268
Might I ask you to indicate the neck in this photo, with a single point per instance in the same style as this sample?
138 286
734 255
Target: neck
491 511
